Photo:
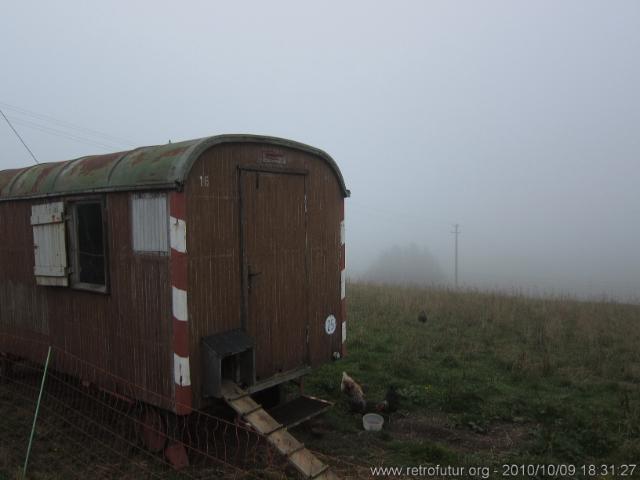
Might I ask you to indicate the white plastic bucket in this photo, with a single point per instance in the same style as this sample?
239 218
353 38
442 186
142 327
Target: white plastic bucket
372 422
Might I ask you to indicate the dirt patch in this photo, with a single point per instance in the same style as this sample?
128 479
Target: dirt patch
499 437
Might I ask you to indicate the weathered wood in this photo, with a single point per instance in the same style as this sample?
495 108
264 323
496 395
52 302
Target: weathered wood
294 198
286 443
276 434
307 463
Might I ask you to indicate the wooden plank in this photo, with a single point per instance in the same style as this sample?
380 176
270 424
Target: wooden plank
50 253
47 213
244 405
277 435
47 219
284 442
307 463
230 391
52 281
49 270
262 422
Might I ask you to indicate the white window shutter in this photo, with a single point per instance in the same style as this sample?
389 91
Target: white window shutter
150 223
49 243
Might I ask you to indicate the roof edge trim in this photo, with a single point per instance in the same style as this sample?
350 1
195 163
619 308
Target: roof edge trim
95 191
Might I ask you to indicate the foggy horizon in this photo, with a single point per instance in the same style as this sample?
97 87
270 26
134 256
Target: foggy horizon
518 121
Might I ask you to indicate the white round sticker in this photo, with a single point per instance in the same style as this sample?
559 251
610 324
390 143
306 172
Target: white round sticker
330 325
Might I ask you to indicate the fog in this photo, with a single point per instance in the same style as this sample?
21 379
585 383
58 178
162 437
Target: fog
518 120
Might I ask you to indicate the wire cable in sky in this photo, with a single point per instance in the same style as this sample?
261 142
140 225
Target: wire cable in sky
19 137
62 134
67 125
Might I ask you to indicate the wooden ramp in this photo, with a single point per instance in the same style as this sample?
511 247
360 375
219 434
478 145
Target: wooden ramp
276 433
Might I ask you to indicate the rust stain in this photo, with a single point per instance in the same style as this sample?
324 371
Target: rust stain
42 176
138 157
174 152
141 156
7 175
95 163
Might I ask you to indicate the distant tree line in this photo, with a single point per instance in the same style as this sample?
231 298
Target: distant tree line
406 265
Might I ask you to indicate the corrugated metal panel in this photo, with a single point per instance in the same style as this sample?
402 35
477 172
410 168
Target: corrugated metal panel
150 222
50 252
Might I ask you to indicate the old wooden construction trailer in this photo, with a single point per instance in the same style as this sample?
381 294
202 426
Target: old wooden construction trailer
179 268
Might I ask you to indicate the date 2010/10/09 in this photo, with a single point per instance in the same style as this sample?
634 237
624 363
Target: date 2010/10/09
553 470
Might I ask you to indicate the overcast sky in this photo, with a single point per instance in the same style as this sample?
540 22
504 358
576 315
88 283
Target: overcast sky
518 120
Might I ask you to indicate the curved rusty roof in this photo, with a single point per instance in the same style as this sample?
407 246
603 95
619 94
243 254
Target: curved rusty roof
159 166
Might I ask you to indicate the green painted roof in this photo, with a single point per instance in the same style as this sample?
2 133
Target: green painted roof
160 166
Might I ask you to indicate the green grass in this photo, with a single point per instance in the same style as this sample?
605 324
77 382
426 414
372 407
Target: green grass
488 378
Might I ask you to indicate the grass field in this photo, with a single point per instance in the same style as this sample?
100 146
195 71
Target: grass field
488 379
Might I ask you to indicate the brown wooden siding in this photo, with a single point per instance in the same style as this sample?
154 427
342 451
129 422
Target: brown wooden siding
125 332
128 332
213 245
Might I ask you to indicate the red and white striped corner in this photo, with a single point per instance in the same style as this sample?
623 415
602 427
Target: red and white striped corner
178 266
343 284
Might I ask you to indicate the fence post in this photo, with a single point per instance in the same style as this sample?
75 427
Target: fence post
35 416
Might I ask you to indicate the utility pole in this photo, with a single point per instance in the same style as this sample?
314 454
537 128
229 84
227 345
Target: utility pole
456 232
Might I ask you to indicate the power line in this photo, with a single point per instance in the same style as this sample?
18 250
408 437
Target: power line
20 138
68 125
61 133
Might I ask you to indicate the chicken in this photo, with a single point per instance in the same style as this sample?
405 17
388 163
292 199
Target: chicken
349 387
358 402
390 402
